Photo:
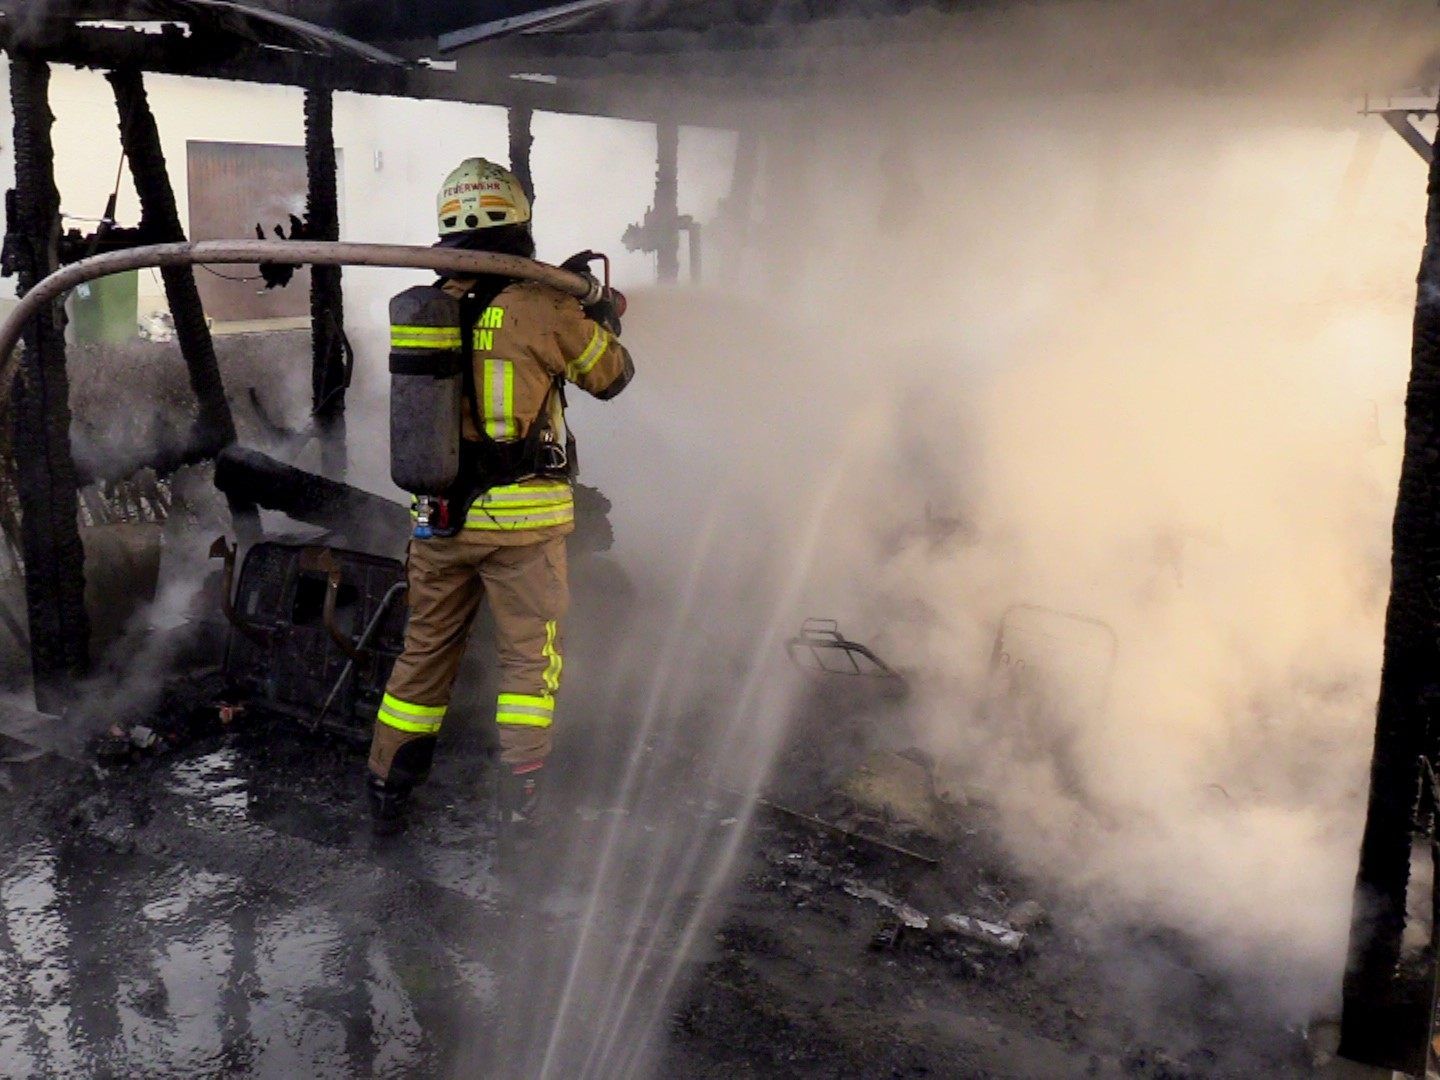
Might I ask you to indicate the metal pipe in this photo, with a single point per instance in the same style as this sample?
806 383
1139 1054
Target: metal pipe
249 252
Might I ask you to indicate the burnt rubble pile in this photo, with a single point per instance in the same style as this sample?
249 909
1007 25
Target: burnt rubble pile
859 863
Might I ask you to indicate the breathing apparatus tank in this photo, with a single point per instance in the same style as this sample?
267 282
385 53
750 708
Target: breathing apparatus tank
426 394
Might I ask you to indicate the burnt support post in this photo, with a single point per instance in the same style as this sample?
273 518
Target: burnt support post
329 370
667 200
1386 1016
522 138
736 212
40 408
160 221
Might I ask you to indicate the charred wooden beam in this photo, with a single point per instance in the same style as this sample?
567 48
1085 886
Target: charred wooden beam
476 83
160 218
1386 1017
330 373
364 520
667 200
40 409
659 232
522 137
202 52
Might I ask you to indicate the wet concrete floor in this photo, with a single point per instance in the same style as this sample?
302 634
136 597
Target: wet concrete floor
224 911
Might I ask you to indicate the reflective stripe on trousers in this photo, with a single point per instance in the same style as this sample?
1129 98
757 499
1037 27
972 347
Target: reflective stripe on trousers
407 716
523 710
556 663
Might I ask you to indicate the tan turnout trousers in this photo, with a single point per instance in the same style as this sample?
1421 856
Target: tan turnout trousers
528 593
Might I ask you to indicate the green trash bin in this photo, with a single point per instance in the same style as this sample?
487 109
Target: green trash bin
104 311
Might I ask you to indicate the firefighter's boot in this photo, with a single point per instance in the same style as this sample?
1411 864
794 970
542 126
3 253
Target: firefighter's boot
521 791
388 805
389 795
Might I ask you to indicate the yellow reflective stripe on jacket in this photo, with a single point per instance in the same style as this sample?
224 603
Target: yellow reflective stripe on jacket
406 716
556 664
523 506
498 394
425 337
523 710
581 365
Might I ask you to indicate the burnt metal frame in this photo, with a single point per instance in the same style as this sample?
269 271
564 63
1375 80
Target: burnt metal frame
999 658
823 635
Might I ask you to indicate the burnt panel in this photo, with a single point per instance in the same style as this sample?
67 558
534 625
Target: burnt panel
234 187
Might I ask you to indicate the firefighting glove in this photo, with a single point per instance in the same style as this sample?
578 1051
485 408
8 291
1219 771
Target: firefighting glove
579 263
605 312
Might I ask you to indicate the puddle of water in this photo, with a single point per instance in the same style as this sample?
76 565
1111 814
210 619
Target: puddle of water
214 783
115 965
183 891
37 939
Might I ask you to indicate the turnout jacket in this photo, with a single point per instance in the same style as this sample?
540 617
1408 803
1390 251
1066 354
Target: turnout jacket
529 339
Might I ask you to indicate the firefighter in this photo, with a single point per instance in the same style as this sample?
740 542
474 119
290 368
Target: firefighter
499 533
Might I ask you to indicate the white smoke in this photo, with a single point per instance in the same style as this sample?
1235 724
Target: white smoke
1144 339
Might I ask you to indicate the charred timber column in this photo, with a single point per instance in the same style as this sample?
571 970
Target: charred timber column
160 220
667 200
45 470
1405 729
522 138
327 302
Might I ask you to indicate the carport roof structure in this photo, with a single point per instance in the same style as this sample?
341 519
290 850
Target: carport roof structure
610 57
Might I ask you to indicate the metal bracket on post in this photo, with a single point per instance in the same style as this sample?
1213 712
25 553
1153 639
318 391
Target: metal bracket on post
1401 122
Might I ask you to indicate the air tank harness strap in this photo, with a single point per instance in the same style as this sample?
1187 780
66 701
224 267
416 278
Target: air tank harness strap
501 462
473 304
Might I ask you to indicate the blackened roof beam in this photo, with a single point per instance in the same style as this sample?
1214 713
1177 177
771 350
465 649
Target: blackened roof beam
197 37
555 15
694 16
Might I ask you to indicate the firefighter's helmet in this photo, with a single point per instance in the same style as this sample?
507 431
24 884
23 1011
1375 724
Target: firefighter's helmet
481 195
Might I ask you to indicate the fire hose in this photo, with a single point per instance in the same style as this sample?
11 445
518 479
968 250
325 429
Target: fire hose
583 287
